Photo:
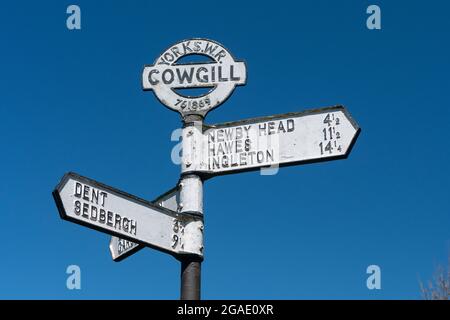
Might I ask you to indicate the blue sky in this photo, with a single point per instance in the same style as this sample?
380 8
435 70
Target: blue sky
72 101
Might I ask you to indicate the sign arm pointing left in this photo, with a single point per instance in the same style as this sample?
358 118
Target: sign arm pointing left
95 205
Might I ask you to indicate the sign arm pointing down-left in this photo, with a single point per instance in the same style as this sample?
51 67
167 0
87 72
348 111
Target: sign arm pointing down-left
103 208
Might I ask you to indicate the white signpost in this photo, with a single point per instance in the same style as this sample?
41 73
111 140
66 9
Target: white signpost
98 206
173 223
281 140
222 73
122 248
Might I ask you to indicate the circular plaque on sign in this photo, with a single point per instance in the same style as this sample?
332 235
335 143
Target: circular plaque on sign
168 79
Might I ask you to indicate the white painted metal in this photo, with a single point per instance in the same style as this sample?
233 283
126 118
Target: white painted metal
95 205
288 139
191 186
191 194
222 74
122 248
193 237
192 146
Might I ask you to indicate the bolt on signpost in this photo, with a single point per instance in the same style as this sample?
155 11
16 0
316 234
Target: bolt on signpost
173 223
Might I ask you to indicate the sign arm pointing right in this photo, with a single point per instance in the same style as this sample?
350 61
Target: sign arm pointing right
280 140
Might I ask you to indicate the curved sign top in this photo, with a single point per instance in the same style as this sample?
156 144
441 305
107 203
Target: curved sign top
167 78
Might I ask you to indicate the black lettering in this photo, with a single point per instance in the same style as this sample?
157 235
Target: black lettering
164 78
94 196
77 209
162 61
290 125
238 146
209 47
78 188
220 136
104 195
185 76
243 159
239 133
247 145
204 78
247 128
102 216
211 149
117 220
133 228
86 193
175 51
215 163
186 47
281 127
224 161
85 211
220 149
219 55
213 73
232 77
269 155
234 162
197 46
260 157
150 79
228 134
271 127
169 57
262 128
125 224
93 210
109 219
221 79
228 146
251 154
211 136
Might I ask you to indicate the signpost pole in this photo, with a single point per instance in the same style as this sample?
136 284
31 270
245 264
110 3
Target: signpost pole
190 279
191 202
